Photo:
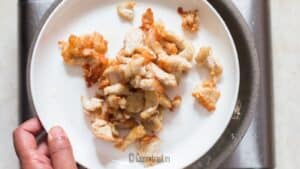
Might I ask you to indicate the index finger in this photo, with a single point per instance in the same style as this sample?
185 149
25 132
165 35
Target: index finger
24 137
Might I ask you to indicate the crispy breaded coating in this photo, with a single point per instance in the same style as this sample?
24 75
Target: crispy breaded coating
87 51
103 130
151 104
91 104
126 10
165 78
205 59
116 102
190 20
207 95
117 89
134 134
135 102
81 50
176 102
147 20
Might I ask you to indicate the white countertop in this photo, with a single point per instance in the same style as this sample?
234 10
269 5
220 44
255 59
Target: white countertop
8 82
286 72
286 68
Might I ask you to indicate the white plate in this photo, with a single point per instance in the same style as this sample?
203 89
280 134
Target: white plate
56 88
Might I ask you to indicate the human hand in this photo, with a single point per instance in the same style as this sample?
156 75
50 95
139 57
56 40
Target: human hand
53 153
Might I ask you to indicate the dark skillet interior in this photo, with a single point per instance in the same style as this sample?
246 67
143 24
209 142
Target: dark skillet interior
249 84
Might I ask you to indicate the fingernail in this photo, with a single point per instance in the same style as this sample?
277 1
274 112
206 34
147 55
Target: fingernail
56 132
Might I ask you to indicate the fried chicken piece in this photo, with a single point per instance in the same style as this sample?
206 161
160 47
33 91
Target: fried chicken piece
94 108
146 53
176 102
135 67
87 51
205 59
82 50
149 146
103 130
103 83
126 124
169 47
147 20
207 95
155 122
165 78
156 36
135 134
123 57
147 84
151 104
135 102
165 102
92 73
174 64
116 102
184 47
190 20
123 72
118 115
126 10
116 74
117 89
91 104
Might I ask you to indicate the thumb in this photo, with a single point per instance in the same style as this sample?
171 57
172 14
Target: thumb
60 149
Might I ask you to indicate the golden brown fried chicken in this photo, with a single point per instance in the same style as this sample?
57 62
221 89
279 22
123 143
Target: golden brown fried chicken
126 10
190 20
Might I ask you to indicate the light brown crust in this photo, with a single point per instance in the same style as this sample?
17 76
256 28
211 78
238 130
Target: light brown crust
207 95
147 20
190 20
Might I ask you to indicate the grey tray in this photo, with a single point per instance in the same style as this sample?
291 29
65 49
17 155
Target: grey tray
249 75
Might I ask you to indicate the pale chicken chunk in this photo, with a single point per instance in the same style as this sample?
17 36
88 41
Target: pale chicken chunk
147 84
190 20
121 73
174 64
184 47
135 134
176 102
126 10
165 78
116 102
165 102
205 58
103 130
116 73
207 95
151 104
135 67
135 102
155 122
123 57
91 104
117 89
